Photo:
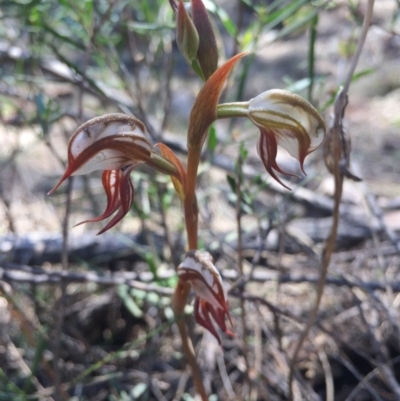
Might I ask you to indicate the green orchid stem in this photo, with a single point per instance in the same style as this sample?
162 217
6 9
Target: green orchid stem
162 165
229 110
190 204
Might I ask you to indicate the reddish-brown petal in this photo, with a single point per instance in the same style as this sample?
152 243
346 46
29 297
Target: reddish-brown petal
111 182
128 151
204 110
120 192
219 317
203 311
203 318
295 134
126 195
68 172
267 148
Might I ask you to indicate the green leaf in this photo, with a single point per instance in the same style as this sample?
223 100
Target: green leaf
296 25
223 16
232 183
150 260
130 304
243 152
142 27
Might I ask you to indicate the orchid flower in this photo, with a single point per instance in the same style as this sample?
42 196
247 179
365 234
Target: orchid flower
210 301
284 119
116 144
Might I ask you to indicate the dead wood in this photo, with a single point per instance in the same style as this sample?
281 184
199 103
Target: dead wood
38 248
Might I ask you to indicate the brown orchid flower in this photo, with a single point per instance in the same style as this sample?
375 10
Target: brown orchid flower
210 299
284 119
116 144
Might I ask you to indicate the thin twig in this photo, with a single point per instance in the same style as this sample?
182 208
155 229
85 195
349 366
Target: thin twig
330 389
10 272
363 381
239 178
224 376
382 353
63 287
65 233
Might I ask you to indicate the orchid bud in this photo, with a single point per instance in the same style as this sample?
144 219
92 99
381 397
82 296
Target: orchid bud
198 270
207 53
187 37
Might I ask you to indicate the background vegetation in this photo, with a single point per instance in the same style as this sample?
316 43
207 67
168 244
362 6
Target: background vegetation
89 318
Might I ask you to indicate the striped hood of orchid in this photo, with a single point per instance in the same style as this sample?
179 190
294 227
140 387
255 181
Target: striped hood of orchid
116 144
108 142
210 298
284 119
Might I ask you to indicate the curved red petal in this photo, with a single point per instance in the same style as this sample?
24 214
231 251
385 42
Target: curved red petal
126 195
116 219
111 180
219 317
267 148
68 172
120 193
203 318
126 190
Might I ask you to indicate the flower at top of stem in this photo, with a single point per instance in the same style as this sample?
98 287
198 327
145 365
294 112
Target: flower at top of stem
210 301
284 119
